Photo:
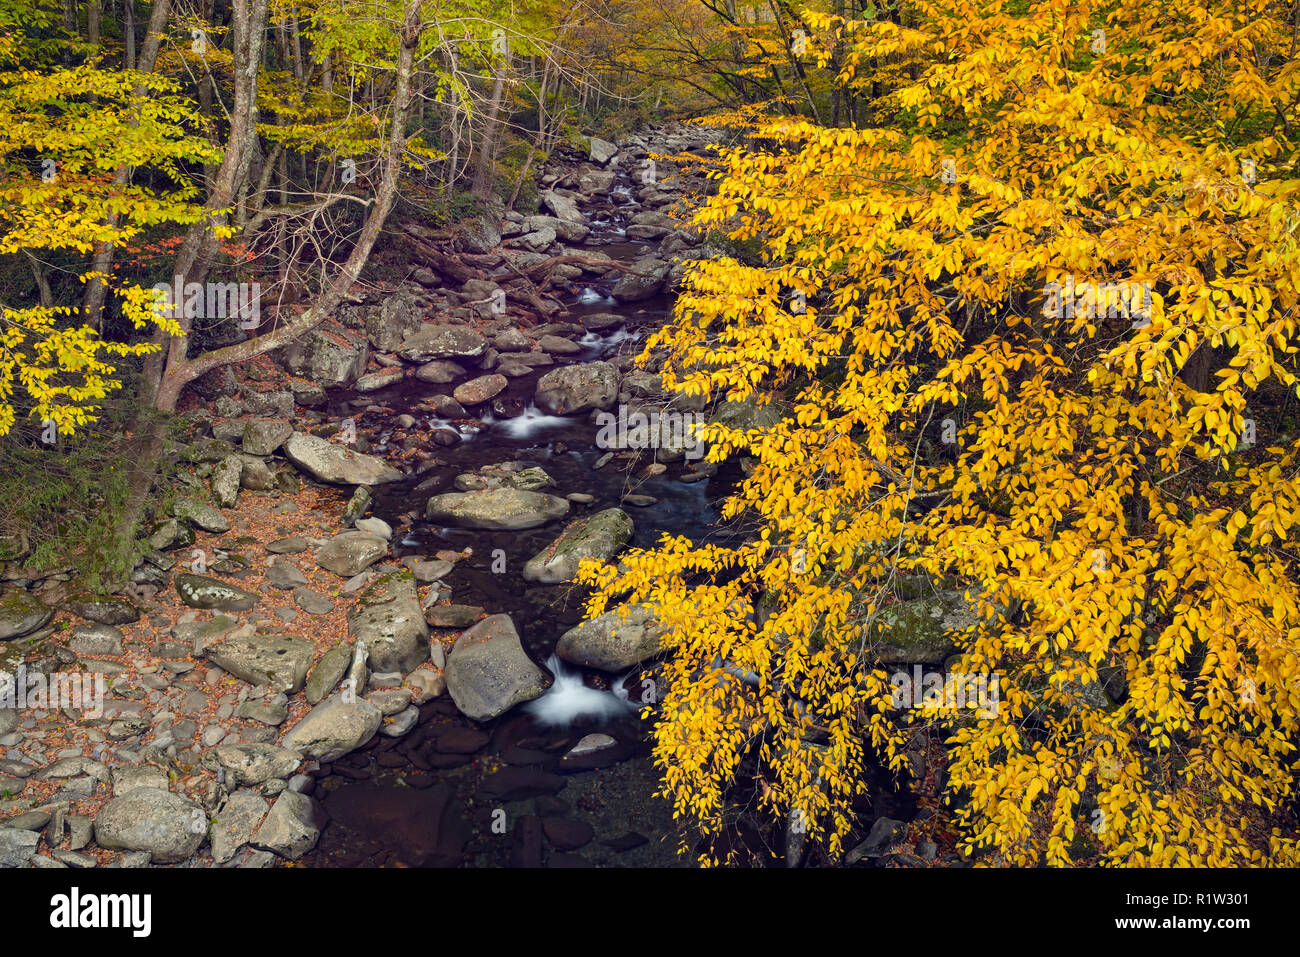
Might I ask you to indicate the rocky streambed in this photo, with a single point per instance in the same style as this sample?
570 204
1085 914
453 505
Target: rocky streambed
356 642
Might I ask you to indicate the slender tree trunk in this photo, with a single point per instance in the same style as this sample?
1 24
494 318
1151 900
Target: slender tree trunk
482 183
128 33
93 17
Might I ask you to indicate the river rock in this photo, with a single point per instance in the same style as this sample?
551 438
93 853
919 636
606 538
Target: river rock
327 462
570 232
201 516
351 553
312 602
257 475
236 823
578 388
596 182
292 827
918 631
645 280
334 728
388 618
22 613
201 591
264 436
440 372
329 671
601 151
600 536
96 640
396 319
442 342
225 479
480 390
497 509
253 763
563 207
280 661
165 825
17 846
285 575
488 672
612 642
326 358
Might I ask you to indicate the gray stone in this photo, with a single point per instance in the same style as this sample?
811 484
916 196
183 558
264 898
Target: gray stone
280 661
327 462
22 613
127 778
351 553
201 591
488 672
611 642
442 342
236 823
225 479
201 516
440 372
250 763
324 360
292 827
165 825
334 728
96 640
17 846
578 388
285 575
599 536
311 602
388 618
265 436
500 509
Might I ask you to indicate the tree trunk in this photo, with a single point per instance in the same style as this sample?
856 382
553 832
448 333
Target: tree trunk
128 33
482 184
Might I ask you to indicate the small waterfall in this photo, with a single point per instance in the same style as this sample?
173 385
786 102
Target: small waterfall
568 699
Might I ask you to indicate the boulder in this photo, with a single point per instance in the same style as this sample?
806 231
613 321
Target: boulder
335 727
488 672
253 763
292 827
225 479
327 462
497 509
600 151
236 823
21 613
442 342
201 516
105 611
351 553
563 207
201 591
397 317
578 388
480 390
645 280
599 536
614 641
329 671
163 824
388 618
325 359
264 436
280 661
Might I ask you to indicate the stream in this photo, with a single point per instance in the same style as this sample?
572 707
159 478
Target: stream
512 791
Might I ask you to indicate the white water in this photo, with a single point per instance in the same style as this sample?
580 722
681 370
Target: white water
590 295
569 699
528 423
